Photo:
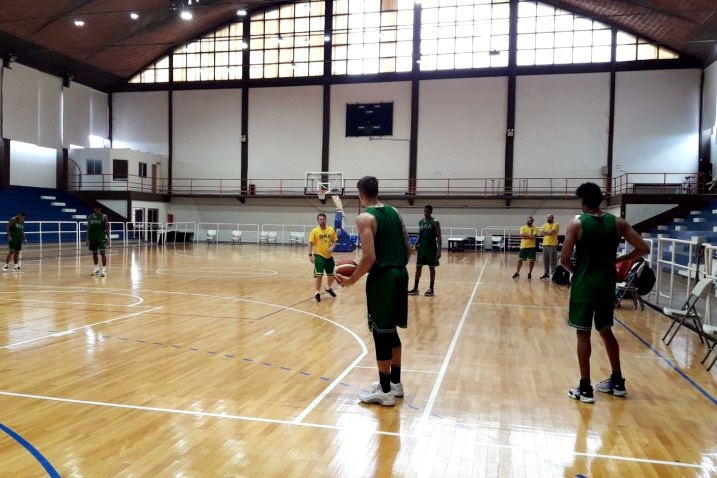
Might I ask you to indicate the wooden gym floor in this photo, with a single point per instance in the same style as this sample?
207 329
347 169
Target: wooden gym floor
215 361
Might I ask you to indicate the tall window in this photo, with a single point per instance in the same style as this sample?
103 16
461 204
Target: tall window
372 36
216 56
464 34
119 169
549 35
288 41
94 166
158 72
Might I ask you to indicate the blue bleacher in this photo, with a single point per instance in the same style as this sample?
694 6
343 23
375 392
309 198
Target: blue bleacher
30 200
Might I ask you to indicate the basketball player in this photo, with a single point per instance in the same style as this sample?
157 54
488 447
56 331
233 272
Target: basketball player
528 238
322 241
596 235
428 248
98 230
385 252
15 238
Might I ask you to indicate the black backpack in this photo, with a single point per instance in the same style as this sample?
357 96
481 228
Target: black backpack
645 281
561 276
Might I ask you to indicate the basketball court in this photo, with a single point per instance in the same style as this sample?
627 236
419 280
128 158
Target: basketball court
214 360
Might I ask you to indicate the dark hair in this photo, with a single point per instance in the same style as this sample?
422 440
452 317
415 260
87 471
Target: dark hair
590 194
429 207
368 186
320 214
21 213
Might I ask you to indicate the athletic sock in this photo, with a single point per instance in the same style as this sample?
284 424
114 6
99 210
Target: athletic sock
616 376
584 384
396 374
385 380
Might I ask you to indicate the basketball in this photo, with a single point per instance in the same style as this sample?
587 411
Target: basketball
345 267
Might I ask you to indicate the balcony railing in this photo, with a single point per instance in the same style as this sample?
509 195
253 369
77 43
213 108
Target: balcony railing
487 188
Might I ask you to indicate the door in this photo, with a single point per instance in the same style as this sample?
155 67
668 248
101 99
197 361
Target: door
154 178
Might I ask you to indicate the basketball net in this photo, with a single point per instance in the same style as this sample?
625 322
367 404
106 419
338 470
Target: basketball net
321 193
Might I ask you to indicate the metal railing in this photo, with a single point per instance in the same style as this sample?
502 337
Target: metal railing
492 187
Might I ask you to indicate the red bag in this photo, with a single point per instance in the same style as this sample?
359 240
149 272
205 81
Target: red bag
623 268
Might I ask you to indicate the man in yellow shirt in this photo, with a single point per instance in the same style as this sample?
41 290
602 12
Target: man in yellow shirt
550 231
322 241
528 240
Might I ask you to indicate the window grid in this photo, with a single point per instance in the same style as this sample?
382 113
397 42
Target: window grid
376 36
464 34
288 41
372 36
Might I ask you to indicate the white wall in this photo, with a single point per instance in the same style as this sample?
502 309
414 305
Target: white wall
162 206
139 122
32 165
656 121
561 125
207 134
358 157
635 213
709 109
461 128
31 108
285 131
107 155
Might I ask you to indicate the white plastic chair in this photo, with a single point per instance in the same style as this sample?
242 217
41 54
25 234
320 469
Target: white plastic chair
296 238
480 243
236 237
497 243
211 236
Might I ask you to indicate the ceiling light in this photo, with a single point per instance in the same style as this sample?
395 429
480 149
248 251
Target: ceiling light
134 15
185 15
241 13
79 23
281 40
327 38
244 45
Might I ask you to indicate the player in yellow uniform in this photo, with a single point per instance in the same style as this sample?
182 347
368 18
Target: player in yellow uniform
550 231
322 241
528 240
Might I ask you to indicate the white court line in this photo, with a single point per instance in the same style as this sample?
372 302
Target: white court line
521 305
402 369
345 428
449 354
89 290
69 331
333 384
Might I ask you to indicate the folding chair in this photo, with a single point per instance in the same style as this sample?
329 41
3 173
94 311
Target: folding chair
480 243
497 242
687 315
211 236
710 332
628 289
236 237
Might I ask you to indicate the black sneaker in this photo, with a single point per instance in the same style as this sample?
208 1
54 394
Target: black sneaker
429 293
516 275
608 386
413 292
331 292
585 396
545 276
317 297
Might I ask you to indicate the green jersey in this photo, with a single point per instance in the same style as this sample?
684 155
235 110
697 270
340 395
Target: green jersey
427 233
595 273
17 230
96 227
389 242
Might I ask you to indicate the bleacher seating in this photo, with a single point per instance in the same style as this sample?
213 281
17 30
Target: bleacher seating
41 204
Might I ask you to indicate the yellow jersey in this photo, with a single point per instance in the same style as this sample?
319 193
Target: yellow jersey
550 240
322 239
528 230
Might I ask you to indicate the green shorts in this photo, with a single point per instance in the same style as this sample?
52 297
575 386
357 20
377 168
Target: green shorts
582 314
322 264
427 256
15 244
387 299
98 245
527 254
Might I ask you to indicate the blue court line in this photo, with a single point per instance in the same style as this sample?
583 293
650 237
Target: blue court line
669 362
38 456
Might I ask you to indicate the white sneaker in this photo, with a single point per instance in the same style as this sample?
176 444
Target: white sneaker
17 268
103 274
396 388
377 395
5 268
95 272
